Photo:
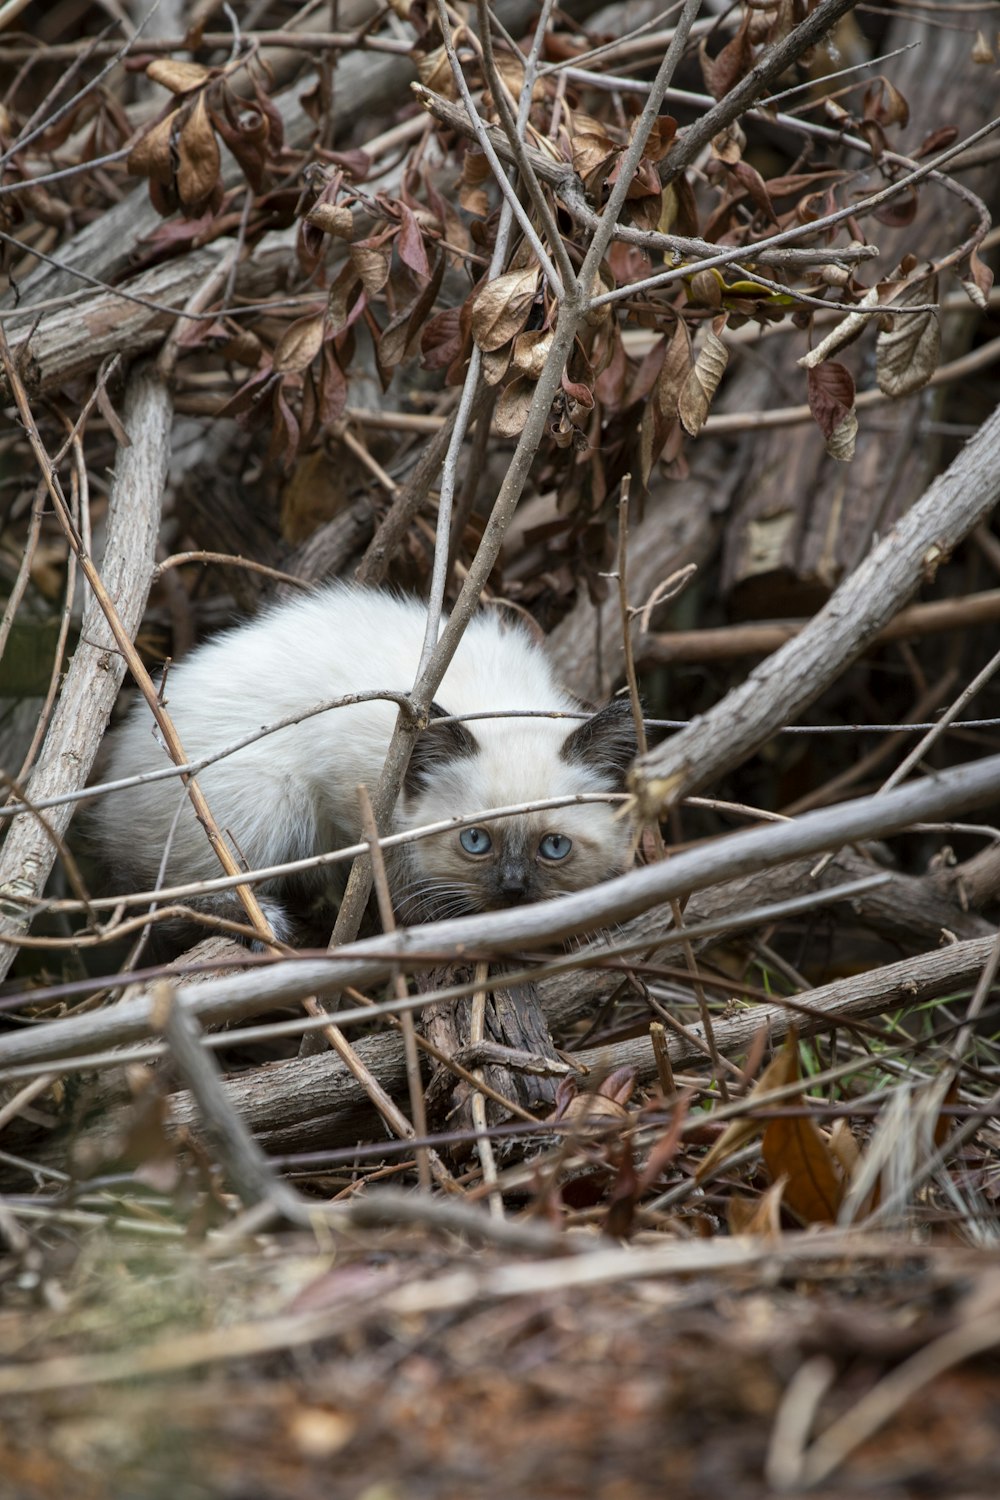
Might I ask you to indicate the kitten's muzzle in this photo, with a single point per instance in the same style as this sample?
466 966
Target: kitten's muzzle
513 884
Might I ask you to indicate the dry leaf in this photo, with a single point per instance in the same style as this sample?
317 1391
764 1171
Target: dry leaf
495 365
153 155
502 307
316 491
531 351
434 72
760 1216
782 1069
795 1148
702 383
733 62
846 331
179 77
982 52
300 344
830 390
332 218
976 279
906 354
729 144
512 407
200 161
372 263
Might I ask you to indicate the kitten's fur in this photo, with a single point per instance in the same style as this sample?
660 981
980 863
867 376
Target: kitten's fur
293 793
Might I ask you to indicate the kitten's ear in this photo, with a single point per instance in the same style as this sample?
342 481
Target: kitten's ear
605 743
435 746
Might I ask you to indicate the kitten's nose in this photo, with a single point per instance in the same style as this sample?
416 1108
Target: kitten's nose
513 884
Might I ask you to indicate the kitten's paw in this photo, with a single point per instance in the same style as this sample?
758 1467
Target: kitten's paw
279 922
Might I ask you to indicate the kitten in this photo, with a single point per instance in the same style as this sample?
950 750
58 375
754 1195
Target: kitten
293 793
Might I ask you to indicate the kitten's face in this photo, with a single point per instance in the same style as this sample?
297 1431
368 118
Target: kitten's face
528 857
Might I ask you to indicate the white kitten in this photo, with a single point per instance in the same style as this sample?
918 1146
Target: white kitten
293 793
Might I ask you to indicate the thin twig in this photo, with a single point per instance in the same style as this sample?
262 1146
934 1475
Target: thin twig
388 919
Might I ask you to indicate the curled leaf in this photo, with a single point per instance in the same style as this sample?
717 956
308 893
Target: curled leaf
153 155
371 261
512 407
906 353
733 63
702 383
198 150
846 331
434 72
830 389
982 52
976 279
332 218
299 344
501 309
177 76
531 350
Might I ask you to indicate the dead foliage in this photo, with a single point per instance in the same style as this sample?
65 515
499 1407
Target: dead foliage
705 1195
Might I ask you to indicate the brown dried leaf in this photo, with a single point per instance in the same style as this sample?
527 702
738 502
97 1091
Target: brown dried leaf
794 1148
341 310
200 161
531 351
512 407
729 144
702 383
372 262
884 103
705 288
314 493
830 389
592 149
907 352
401 333
982 52
177 76
760 1216
153 155
495 365
472 194
976 279
434 72
246 129
410 245
332 218
733 62
300 344
750 178
845 1149
441 339
782 1069
501 309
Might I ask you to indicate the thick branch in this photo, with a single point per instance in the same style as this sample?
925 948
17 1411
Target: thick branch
97 668
779 689
764 72
491 933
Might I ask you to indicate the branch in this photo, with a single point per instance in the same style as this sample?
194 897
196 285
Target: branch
782 686
690 142
569 188
499 932
97 668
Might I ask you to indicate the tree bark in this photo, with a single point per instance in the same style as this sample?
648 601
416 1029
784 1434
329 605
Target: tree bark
97 669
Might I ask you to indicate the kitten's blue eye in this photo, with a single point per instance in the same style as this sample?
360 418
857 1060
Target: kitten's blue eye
555 846
475 841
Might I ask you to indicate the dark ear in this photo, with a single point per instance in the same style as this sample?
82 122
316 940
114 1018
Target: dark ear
435 746
605 742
